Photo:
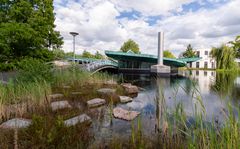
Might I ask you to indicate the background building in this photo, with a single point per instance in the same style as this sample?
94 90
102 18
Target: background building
206 60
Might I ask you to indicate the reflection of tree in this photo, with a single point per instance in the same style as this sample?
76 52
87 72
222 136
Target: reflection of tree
224 84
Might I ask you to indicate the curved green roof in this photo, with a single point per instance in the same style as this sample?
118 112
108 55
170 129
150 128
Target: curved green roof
191 59
118 55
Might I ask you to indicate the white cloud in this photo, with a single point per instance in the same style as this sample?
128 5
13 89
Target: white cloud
100 29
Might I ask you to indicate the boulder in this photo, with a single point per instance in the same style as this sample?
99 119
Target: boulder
96 102
129 88
57 105
106 91
125 114
56 96
3 82
110 82
16 123
125 99
78 119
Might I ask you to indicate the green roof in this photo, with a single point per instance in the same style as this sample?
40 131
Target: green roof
191 59
118 55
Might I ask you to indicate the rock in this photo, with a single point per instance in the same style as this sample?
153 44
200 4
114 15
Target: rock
125 99
129 88
78 119
3 82
66 87
76 93
125 114
60 105
96 102
16 123
110 82
106 91
55 96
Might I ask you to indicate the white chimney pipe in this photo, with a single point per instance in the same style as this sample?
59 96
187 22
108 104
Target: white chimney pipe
160 47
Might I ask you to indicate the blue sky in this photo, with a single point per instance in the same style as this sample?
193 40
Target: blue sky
106 24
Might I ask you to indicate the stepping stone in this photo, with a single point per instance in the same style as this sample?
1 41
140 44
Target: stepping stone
76 93
129 88
66 87
16 123
78 119
96 102
57 105
55 96
111 82
125 114
125 99
106 91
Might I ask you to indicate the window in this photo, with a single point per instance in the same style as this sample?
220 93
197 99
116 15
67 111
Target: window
213 65
197 73
205 64
205 73
190 64
206 52
198 53
197 64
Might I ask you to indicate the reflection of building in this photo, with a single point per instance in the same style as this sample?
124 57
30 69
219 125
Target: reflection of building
206 62
204 78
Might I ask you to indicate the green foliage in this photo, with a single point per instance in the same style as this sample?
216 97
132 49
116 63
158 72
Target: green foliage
130 45
98 55
168 54
27 29
31 69
224 56
236 46
87 54
189 52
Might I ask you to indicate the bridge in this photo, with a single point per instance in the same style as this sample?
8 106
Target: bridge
129 61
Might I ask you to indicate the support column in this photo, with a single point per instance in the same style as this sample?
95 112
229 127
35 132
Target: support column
161 69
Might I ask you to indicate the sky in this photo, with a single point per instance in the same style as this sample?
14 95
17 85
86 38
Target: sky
107 24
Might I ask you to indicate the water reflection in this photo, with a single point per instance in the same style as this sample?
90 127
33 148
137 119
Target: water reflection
162 95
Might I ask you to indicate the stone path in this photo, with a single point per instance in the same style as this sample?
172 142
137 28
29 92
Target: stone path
96 102
125 114
57 105
16 123
78 119
125 99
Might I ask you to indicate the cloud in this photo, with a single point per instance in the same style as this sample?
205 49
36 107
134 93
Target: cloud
101 28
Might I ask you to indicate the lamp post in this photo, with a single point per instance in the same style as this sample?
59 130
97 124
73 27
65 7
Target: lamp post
74 34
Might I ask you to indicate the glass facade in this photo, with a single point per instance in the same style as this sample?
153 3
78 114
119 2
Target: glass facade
130 64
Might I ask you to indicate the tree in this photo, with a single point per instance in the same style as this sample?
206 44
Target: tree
224 57
236 46
27 27
98 55
189 52
130 45
87 54
168 54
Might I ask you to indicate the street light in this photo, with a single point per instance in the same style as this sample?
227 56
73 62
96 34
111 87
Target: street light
74 34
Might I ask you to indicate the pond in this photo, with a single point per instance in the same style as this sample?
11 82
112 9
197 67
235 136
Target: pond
208 91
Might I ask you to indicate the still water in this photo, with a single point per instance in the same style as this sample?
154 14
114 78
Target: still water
207 91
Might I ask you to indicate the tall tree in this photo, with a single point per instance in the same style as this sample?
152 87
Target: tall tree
189 52
236 46
130 45
27 26
224 57
168 54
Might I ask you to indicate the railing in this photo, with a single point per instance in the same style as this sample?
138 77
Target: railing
99 63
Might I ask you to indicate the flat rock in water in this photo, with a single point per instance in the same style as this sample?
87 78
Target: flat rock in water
96 102
111 82
106 91
125 99
16 123
129 88
125 114
55 96
78 119
60 105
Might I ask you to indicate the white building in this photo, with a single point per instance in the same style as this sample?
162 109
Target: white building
206 60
